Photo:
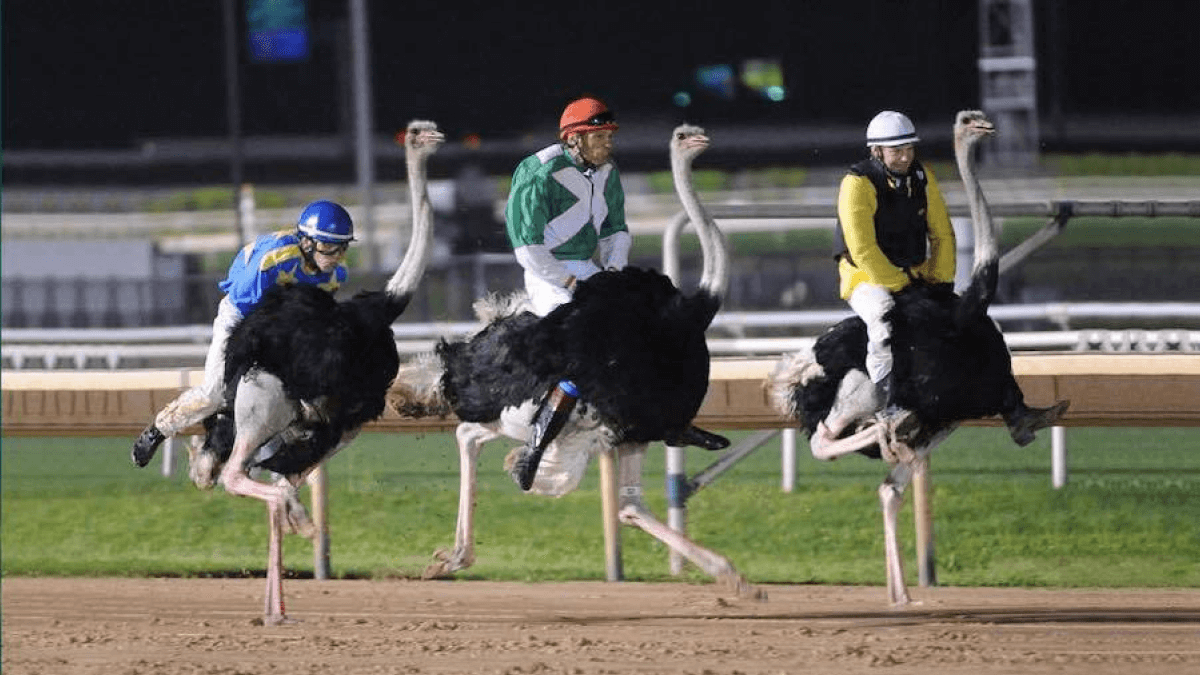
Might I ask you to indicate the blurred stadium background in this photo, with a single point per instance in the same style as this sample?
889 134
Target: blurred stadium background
131 176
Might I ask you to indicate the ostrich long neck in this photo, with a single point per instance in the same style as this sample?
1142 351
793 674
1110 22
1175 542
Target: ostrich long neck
715 275
986 269
404 281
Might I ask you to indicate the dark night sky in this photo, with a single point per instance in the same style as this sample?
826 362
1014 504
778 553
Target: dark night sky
109 73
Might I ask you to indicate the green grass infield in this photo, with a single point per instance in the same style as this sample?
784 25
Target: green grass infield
1128 517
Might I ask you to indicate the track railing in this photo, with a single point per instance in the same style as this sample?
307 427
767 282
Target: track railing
731 334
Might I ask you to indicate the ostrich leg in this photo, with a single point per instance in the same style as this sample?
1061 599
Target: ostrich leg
634 512
261 411
891 498
470 436
273 612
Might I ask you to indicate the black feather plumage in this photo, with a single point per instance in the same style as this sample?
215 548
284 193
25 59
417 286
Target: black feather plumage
630 341
949 365
342 353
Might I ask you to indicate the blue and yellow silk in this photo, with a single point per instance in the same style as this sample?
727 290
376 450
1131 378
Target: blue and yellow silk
269 260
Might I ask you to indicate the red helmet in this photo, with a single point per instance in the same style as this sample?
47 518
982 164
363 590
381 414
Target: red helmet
583 115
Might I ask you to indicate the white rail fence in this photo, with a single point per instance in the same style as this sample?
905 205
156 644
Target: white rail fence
732 333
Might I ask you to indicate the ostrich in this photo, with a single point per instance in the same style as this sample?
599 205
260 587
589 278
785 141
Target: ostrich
305 372
951 364
634 345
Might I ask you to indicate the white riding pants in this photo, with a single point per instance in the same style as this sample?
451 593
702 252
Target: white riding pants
870 302
197 403
545 296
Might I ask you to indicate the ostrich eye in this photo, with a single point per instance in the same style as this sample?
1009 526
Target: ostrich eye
680 136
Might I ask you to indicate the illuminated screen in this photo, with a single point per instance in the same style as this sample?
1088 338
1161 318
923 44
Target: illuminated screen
278 30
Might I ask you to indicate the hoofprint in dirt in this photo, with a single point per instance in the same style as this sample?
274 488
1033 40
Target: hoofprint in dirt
110 626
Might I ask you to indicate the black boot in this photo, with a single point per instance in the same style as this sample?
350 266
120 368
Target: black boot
1025 421
146 445
700 438
548 420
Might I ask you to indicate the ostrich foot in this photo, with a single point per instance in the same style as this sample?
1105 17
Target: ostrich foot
718 567
448 562
296 517
203 466
280 620
744 589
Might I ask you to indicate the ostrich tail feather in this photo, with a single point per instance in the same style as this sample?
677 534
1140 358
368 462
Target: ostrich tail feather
495 306
791 374
417 390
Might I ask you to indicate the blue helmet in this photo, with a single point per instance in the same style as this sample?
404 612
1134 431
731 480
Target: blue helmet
327 222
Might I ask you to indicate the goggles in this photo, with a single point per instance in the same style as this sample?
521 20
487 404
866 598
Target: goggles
330 250
606 117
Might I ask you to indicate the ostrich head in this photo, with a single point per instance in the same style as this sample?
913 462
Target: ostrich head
970 127
421 140
687 142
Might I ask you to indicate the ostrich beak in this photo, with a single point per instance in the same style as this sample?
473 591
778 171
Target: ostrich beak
430 138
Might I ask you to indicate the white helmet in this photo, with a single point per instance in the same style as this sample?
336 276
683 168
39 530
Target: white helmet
890 128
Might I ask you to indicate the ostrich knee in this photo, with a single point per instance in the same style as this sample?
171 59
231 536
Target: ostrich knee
820 441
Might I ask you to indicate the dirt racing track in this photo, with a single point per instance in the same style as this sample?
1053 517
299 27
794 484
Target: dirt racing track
212 626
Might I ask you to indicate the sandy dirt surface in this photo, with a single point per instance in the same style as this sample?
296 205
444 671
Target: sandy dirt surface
213 627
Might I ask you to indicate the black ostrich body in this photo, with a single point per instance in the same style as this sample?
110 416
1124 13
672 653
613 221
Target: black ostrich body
342 354
942 371
630 340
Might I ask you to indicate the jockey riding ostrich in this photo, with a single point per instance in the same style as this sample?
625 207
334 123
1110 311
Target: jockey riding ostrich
306 372
634 346
951 364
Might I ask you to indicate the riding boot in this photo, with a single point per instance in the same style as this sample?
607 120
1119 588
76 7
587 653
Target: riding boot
698 437
548 420
1024 421
146 445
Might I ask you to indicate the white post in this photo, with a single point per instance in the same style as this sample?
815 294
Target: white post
609 509
676 500
168 451
787 449
246 207
318 483
168 456
1058 456
923 515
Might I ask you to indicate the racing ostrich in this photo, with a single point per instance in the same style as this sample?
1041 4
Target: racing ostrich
305 372
633 344
951 364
